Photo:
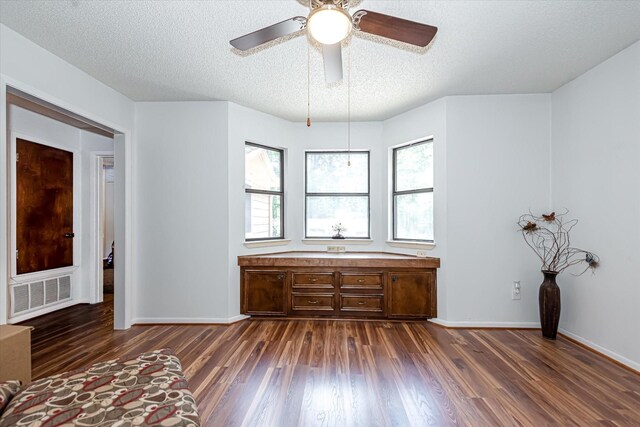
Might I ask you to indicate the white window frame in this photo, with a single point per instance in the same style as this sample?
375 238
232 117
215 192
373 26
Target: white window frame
395 193
367 194
268 192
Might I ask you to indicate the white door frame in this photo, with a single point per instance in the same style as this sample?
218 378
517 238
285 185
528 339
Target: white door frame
96 235
123 215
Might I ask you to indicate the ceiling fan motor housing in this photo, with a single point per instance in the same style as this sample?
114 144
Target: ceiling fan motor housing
329 24
344 4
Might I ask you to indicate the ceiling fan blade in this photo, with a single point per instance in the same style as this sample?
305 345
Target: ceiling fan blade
332 58
267 34
394 28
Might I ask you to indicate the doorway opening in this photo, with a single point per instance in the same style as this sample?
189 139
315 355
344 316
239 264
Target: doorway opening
106 211
45 132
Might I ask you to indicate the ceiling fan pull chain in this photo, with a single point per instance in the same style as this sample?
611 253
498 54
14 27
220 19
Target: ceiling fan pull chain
308 85
349 109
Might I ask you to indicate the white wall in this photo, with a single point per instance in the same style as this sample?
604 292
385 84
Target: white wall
596 174
249 125
182 236
334 136
35 68
30 68
497 168
491 163
429 120
38 126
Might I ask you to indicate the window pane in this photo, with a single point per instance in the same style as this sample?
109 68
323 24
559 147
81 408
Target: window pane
414 216
325 212
330 173
414 167
262 168
262 216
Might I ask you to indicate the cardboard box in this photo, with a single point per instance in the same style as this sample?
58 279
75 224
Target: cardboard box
15 353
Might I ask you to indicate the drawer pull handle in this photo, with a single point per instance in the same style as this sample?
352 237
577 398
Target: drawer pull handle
313 279
280 276
360 280
361 302
313 302
394 278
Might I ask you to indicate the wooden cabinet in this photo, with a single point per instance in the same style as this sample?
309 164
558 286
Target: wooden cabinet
263 292
412 294
312 293
362 293
361 284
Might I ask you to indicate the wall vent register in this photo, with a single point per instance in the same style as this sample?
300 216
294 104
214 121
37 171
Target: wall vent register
39 294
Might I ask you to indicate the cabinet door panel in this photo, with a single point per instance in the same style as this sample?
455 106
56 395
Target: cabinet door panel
264 292
412 294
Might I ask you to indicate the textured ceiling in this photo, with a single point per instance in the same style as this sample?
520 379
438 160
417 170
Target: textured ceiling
179 50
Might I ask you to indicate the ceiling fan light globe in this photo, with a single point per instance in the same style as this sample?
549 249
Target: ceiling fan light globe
329 24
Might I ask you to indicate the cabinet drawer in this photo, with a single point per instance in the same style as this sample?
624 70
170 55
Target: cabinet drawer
313 280
365 303
360 281
312 302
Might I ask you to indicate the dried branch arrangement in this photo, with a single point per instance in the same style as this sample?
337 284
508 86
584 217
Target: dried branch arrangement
548 236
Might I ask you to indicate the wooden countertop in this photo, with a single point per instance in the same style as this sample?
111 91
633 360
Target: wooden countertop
330 259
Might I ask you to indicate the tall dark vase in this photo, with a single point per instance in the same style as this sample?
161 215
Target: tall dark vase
549 299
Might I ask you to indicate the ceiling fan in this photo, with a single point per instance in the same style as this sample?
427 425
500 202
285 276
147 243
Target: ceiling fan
329 22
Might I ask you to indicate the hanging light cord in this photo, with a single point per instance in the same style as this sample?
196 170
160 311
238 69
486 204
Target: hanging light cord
349 111
308 85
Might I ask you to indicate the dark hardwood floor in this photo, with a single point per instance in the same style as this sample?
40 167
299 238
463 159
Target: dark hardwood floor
366 373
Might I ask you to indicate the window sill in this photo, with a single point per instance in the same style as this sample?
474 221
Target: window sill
266 243
337 242
411 245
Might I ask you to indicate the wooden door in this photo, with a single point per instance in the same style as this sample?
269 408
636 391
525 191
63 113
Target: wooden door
263 292
412 294
44 207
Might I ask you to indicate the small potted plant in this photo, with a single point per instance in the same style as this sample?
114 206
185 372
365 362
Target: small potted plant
338 229
548 236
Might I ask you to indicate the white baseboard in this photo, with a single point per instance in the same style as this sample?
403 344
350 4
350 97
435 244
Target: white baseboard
47 309
466 324
615 356
188 320
238 318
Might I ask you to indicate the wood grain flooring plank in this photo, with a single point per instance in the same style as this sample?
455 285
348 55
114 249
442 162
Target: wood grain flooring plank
312 372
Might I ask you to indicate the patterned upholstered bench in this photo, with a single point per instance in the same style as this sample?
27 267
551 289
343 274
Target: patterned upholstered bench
146 390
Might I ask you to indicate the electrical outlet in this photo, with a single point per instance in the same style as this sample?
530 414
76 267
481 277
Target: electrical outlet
421 254
516 291
337 249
